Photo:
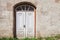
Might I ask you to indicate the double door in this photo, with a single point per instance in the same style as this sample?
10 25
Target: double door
24 24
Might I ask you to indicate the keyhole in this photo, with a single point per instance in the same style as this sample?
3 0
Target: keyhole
24 26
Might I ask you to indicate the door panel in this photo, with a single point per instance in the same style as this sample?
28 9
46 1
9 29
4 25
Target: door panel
20 31
29 24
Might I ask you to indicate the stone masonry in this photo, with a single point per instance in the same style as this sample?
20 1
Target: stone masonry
47 17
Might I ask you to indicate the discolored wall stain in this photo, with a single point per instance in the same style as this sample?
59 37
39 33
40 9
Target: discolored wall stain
57 1
9 6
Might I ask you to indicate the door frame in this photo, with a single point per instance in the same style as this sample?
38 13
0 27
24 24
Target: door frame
14 18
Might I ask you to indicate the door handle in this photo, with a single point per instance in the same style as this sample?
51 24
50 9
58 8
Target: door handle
24 26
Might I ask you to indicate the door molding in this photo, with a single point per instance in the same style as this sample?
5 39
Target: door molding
34 22
14 17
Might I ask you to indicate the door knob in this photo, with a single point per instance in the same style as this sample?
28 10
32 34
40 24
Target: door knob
24 26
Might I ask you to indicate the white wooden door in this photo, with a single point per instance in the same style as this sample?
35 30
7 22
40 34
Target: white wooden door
24 24
29 24
20 30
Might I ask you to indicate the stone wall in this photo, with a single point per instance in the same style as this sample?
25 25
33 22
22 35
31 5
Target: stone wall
47 17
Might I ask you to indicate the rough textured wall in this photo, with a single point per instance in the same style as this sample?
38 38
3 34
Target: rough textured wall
47 17
6 19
